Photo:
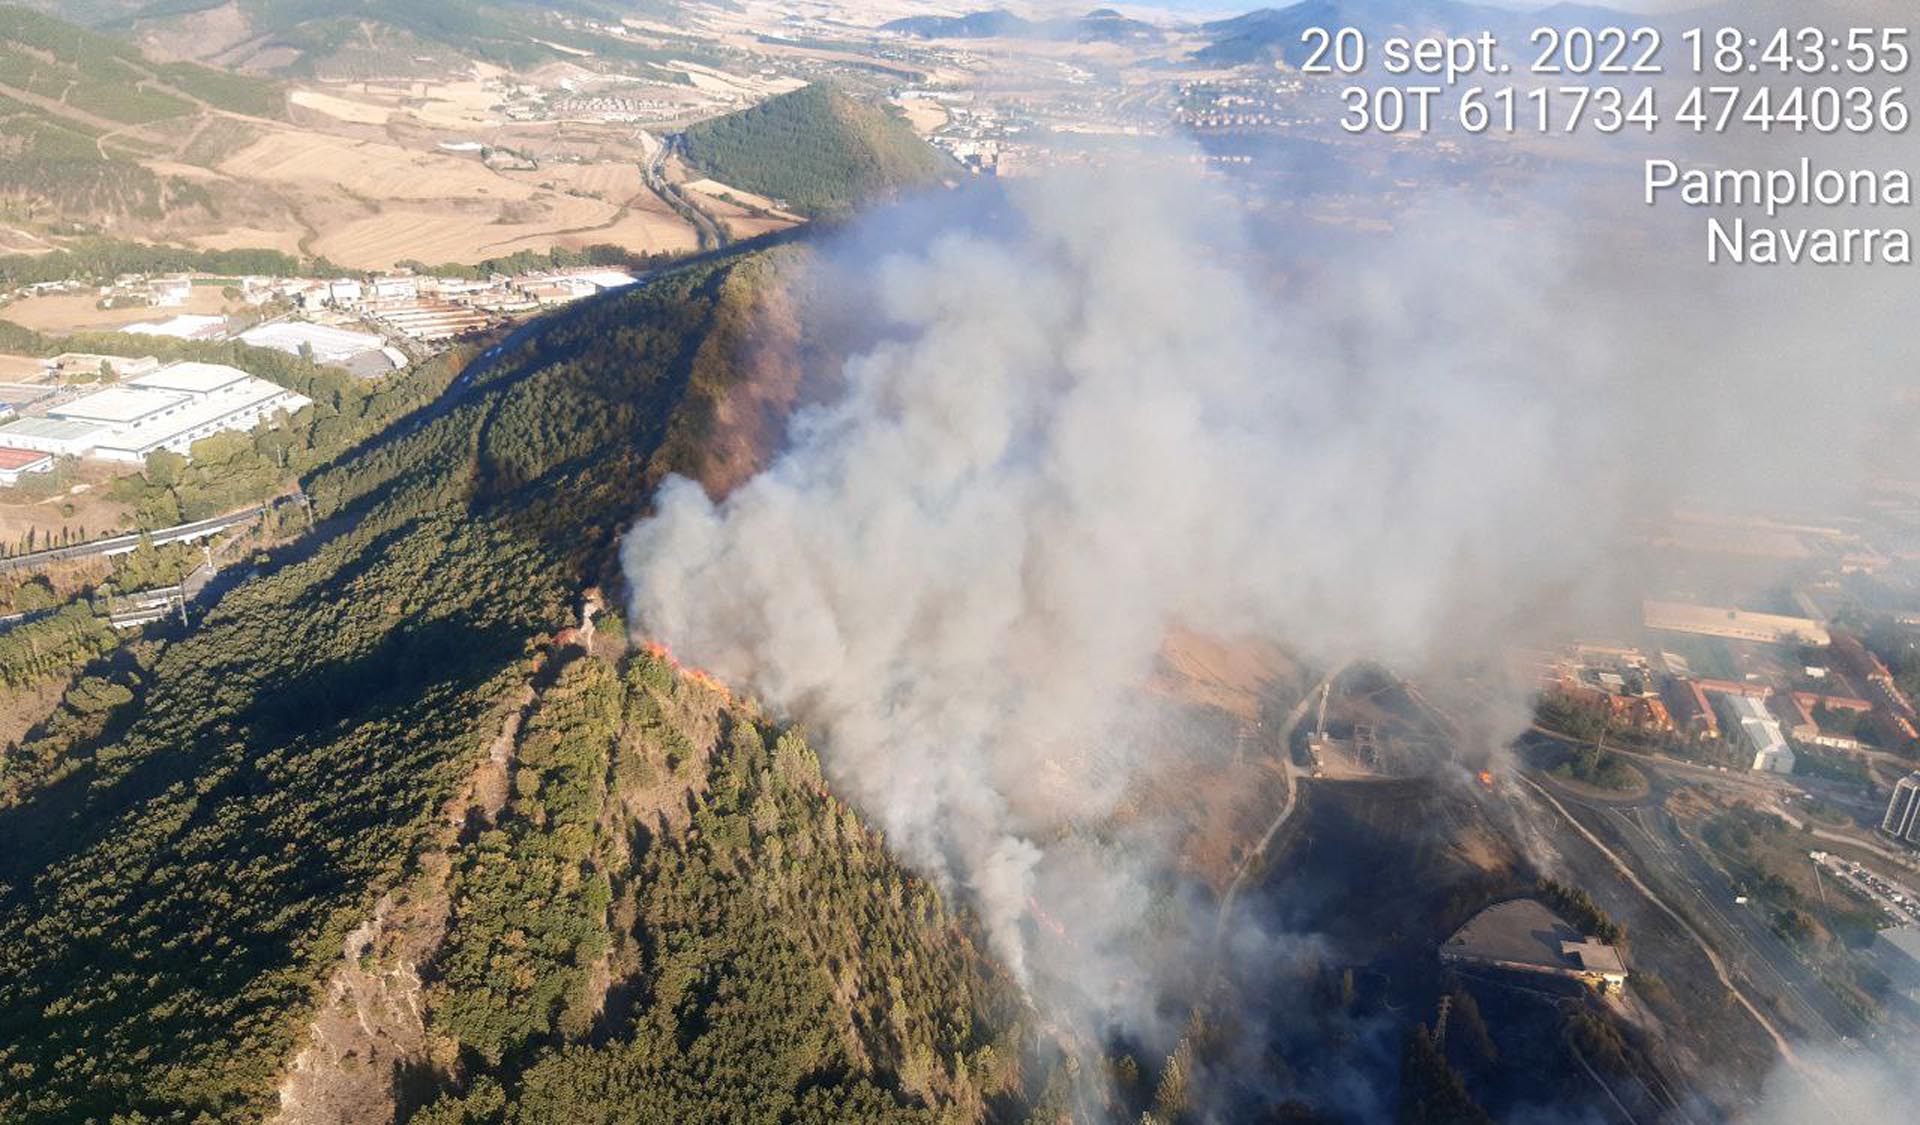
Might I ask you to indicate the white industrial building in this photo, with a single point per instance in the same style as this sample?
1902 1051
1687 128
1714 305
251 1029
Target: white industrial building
170 292
169 409
185 326
1759 731
326 343
122 408
48 435
195 379
403 288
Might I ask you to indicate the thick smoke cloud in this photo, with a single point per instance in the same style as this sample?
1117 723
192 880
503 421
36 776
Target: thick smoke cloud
1078 431
1096 409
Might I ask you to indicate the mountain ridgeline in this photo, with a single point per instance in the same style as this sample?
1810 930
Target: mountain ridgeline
1101 25
333 39
391 835
816 149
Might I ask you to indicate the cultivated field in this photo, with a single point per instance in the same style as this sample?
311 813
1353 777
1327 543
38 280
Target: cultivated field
924 114
725 204
60 313
399 232
284 239
372 204
368 169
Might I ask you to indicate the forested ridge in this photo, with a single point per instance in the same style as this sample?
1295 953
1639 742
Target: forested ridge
817 150
664 918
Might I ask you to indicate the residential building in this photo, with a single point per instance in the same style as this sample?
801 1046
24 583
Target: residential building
1749 720
1899 952
1691 710
1902 820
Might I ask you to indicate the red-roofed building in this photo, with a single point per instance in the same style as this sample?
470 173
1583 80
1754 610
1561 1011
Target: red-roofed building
1690 709
17 463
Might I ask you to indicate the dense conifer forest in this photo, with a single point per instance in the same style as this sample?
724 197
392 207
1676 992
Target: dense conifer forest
639 897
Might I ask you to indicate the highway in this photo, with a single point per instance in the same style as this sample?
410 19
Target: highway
121 544
712 235
1671 862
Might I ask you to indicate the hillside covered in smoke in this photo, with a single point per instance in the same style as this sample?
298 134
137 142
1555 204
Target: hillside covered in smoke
391 835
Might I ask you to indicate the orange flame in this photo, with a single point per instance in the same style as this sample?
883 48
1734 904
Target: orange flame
1486 778
699 676
1045 919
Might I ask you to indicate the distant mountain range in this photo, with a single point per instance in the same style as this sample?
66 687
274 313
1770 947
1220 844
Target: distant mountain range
1102 25
1274 33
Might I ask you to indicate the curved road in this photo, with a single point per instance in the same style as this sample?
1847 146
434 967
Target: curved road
1259 849
121 544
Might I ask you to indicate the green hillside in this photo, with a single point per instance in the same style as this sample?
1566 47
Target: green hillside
621 890
107 78
817 149
78 110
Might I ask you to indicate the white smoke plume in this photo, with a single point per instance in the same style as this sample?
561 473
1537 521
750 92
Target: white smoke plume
1103 410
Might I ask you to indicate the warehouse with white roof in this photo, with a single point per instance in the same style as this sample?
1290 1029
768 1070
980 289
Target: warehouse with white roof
195 379
49 435
169 409
327 343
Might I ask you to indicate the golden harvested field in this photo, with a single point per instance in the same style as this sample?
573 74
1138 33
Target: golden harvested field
614 182
286 239
458 104
443 234
714 191
60 313
924 114
368 169
373 204
740 222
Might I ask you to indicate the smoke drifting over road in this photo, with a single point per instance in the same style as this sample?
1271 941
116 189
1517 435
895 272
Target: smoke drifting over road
1091 411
